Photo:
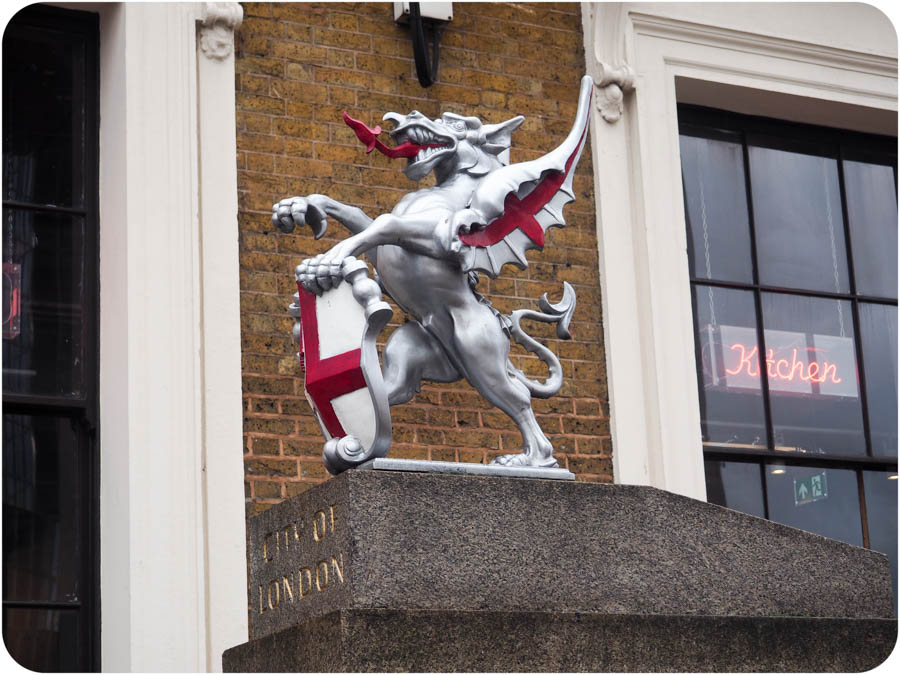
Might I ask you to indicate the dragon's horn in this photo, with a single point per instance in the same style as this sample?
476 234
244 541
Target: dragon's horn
498 137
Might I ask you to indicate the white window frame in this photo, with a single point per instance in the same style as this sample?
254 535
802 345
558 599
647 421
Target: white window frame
752 59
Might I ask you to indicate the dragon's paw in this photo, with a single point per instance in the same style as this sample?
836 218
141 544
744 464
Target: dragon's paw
526 460
323 272
319 274
300 211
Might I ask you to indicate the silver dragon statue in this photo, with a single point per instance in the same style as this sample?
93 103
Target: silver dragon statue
481 214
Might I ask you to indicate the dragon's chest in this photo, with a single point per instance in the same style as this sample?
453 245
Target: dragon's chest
419 284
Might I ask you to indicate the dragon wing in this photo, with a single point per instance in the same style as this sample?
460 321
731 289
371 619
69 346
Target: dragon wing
513 206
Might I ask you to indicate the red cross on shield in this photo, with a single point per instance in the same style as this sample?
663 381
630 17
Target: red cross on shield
343 379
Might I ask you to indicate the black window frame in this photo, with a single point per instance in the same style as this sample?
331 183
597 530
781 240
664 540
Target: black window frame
83 411
704 122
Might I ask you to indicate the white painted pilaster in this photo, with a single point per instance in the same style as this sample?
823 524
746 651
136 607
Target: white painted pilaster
173 566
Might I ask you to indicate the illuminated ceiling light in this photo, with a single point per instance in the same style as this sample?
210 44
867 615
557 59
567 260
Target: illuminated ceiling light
777 471
893 476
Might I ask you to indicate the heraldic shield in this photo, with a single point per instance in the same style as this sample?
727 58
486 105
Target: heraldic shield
343 380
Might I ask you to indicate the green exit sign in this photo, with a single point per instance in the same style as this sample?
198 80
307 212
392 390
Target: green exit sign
810 489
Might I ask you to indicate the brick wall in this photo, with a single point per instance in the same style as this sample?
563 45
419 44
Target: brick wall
298 67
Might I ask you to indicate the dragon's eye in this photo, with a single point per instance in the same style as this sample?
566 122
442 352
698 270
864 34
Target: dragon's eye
458 125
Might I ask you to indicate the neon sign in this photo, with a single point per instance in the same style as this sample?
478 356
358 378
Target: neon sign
798 363
793 368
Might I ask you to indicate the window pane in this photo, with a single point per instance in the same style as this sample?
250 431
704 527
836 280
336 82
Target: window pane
881 517
44 640
43 75
731 404
811 369
798 219
737 485
41 516
824 501
716 209
872 213
878 332
43 288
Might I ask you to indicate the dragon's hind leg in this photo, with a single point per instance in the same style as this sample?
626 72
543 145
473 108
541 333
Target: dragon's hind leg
410 356
481 349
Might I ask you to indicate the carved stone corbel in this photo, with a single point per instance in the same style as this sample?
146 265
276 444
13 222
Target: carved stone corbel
606 28
612 83
218 22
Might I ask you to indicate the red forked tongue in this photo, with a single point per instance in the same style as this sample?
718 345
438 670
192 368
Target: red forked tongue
368 138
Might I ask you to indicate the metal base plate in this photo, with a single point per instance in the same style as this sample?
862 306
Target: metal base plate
465 468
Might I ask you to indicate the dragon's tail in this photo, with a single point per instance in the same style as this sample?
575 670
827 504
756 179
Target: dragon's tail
560 314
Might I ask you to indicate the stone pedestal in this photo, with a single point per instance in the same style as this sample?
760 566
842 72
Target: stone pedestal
394 571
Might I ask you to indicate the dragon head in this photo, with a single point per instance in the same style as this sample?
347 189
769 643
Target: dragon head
447 145
452 143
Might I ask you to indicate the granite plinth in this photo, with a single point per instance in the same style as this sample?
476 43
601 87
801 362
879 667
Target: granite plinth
385 640
452 543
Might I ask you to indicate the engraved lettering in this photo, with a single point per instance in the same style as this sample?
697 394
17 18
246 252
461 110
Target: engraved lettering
322 566
267 547
261 608
331 509
287 585
338 568
277 586
307 573
319 525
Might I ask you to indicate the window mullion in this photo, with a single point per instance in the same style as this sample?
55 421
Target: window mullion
757 301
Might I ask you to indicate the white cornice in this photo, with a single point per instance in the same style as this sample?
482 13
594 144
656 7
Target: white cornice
755 43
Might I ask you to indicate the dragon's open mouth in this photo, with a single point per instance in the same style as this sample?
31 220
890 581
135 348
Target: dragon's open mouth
417 143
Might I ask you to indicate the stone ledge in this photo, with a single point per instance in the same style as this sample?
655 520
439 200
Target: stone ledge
384 640
414 541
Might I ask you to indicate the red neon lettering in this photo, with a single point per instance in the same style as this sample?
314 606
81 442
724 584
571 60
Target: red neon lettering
814 376
782 369
778 370
770 363
746 358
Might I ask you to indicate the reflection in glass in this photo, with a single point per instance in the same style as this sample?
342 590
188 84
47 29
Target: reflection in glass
878 332
737 485
44 640
40 509
43 354
716 209
881 517
42 163
816 499
798 219
731 405
811 367
872 214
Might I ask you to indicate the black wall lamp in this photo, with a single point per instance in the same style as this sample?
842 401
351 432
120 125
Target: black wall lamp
425 17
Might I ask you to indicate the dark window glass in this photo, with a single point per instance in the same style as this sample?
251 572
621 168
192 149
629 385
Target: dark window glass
41 511
43 160
43 353
731 403
44 640
878 332
872 214
49 339
817 499
821 388
812 375
737 485
798 219
716 209
881 516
